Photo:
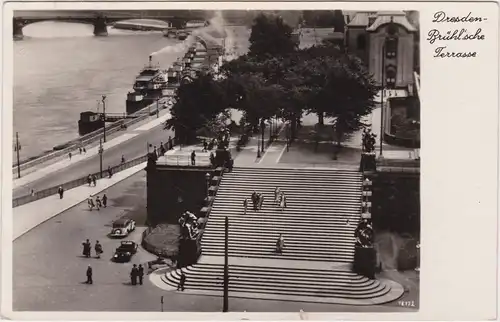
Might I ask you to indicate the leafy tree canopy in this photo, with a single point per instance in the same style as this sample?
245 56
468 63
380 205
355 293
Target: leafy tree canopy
270 36
197 102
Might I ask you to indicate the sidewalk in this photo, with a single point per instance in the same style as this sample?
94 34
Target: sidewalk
26 179
247 157
30 215
273 153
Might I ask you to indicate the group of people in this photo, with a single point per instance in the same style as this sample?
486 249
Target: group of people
87 248
137 273
99 203
80 150
258 200
279 198
92 180
369 140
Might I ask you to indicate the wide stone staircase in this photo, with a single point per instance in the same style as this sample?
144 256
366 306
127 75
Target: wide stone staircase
323 209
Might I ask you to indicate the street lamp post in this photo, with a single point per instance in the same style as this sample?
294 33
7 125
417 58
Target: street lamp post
225 303
101 150
157 107
262 125
104 116
258 146
207 179
381 138
17 148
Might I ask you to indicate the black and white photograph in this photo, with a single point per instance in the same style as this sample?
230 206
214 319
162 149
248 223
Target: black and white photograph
216 161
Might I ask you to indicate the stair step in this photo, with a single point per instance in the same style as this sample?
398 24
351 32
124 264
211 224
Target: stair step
320 284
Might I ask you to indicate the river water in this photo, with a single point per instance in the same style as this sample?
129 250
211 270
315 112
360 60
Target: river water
61 70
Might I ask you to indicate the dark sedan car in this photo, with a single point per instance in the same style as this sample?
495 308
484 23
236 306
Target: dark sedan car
125 251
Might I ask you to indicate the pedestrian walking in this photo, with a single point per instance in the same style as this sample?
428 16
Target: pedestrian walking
94 180
32 192
98 202
89 275
104 200
212 159
280 244
193 158
110 172
205 144
276 195
86 248
133 275
60 191
140 272
283 201
69 154
170 143
182 281
255 200
90 203
80 150
98 249
84 150
123 158
245 204
89 179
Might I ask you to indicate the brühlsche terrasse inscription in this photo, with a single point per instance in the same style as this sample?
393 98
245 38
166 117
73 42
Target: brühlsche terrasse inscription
452 29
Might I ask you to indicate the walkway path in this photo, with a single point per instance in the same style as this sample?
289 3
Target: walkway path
32 214
91 152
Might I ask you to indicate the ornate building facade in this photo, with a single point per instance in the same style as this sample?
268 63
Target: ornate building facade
386 41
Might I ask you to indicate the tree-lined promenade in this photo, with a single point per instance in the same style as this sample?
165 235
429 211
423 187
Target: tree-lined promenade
276 79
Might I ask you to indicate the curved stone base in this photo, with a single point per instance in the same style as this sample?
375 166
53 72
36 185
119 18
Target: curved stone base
364 291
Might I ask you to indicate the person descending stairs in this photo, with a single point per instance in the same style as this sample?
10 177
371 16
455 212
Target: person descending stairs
315 262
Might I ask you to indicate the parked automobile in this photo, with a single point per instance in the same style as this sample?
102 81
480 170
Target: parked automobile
125 251
122 227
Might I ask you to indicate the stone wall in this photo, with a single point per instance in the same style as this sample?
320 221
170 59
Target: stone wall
171 190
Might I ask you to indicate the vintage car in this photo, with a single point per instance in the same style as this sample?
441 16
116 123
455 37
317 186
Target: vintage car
122 227
125 251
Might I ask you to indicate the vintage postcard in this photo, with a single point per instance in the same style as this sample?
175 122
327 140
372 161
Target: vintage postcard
254 160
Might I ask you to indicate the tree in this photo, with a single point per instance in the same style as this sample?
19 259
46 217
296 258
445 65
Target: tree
270 36
197 103
348 95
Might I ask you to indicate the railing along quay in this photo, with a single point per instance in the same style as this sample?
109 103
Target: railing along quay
73 183
89 138
83 180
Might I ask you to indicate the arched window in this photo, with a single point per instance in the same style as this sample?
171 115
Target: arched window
390 76
391 47
361 42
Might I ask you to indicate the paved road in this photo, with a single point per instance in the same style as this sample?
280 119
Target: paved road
132 148
49 271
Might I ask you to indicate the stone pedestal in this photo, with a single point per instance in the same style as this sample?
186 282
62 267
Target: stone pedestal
189 252
368 162
365 261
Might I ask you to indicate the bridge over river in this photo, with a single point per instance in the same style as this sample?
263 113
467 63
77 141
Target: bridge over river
102 19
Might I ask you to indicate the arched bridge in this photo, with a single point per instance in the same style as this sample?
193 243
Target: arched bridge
101 19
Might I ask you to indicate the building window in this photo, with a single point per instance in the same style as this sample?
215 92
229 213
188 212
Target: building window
361 42
391 47
390 76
